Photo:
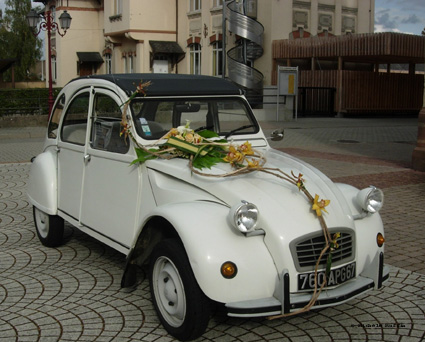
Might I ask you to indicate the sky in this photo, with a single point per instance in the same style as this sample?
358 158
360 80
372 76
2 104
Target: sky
404 16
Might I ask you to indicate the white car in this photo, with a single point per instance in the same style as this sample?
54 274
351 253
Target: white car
244 230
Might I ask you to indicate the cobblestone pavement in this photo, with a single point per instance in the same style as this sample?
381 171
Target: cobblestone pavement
72 293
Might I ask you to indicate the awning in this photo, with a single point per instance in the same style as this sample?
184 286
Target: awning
170 49
89 57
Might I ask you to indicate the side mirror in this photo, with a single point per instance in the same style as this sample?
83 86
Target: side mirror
277 135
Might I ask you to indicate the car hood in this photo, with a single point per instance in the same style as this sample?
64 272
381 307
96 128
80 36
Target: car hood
285 212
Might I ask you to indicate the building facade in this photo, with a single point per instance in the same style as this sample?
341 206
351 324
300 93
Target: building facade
186 36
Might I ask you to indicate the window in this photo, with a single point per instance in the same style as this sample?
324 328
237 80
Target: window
217 58
54 68
130 64
106 129
195 5
125 64
108 63
217 3
52 131
195 59
74 126
118 6
153 118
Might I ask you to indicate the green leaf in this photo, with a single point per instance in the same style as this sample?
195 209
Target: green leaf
143 155
207 161
207 134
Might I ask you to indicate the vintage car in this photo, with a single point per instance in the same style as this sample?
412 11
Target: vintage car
175 172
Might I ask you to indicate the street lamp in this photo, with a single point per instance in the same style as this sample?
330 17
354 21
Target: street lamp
34 20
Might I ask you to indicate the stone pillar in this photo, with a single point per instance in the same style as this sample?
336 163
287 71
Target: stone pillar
418 157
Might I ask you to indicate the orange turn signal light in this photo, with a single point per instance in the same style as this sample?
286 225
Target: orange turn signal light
380 239
229 270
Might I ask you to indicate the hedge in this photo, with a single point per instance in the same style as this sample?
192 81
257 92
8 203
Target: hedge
25 101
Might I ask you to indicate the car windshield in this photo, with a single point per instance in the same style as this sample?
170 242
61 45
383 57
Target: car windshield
153 118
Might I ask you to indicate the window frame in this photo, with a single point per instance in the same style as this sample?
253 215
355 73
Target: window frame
217 60
195 60
195 5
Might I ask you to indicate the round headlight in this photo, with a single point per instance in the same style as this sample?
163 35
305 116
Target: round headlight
371 199
244 216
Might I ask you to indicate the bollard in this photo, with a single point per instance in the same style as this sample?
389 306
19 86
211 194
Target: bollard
418 157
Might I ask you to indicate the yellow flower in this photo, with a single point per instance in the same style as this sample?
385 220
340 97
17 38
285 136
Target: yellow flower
172 133
246 149
318 206
253 163
334 244
189 137
197 139
233 156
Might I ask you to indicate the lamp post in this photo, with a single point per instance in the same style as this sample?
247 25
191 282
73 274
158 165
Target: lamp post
45 23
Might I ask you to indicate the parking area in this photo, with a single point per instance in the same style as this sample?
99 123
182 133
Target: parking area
72 293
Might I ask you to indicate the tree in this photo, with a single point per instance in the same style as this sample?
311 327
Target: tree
17 40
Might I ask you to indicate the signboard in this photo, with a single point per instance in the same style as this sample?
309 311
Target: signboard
287 85
288 80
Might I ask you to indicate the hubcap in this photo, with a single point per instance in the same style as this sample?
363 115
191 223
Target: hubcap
169 292
42 222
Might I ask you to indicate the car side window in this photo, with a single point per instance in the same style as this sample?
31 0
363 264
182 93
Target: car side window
106 127
74 125
52 130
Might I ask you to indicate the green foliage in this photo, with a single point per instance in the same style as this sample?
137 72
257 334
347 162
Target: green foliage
143 155
17 40
25 101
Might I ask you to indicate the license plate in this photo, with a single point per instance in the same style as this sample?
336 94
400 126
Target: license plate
336 276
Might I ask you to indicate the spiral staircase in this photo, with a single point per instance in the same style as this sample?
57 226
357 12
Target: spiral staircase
248 49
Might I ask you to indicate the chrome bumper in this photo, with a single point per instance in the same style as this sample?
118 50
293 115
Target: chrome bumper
285 302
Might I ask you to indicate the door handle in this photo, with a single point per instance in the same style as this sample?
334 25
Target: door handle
87 158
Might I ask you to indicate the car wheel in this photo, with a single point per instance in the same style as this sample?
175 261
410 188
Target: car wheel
49 228
182 307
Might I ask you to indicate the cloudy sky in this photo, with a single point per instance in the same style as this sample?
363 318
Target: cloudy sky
406 16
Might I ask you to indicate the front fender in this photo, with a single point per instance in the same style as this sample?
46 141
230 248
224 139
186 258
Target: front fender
367 229
42 187
210 241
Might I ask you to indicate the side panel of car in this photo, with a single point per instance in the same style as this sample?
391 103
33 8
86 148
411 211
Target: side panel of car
42 188
210 241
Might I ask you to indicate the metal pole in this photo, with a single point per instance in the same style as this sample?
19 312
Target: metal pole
49 54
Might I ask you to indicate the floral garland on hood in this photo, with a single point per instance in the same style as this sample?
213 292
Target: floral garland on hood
205 149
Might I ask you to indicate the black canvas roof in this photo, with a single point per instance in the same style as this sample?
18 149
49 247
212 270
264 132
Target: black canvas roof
172 84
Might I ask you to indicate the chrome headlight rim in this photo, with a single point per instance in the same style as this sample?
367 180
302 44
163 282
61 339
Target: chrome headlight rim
370 199
244 216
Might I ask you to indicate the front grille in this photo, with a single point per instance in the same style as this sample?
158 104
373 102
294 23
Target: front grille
308 249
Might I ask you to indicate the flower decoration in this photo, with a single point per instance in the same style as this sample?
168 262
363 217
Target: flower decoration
319 206
233 157
334 244
300 180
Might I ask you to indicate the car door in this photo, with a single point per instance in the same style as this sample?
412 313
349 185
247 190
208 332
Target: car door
111 186
71 151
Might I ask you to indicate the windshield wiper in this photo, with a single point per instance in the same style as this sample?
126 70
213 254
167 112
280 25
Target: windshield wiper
237 130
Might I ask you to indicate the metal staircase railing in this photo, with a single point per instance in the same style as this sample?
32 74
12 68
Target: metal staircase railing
250 48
